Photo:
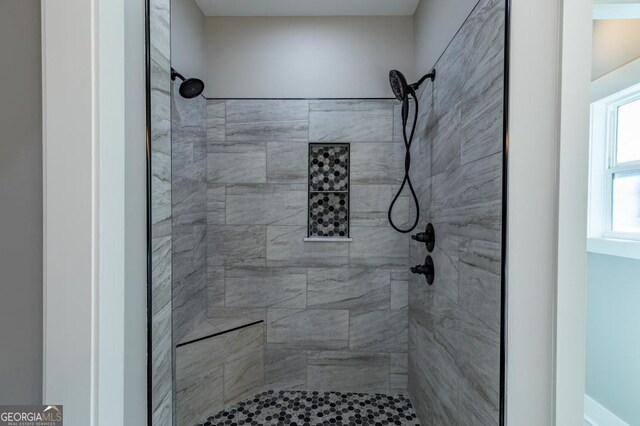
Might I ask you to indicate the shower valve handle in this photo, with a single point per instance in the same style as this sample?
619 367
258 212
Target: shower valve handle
428 270
428 237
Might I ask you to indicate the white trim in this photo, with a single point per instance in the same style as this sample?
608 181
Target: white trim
612 247
534 133
573 182
616 81
84 186
43 47
327 240
616 11
598 415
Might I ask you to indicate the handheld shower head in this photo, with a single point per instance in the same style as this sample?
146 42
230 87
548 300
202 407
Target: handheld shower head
398 84
402 91
190 87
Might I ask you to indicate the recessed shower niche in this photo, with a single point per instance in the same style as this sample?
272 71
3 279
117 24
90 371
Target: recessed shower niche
328 191
276 276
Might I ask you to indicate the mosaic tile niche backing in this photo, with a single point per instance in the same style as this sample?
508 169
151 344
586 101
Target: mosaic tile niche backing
328 191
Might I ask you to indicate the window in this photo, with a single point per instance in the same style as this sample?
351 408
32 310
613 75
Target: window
614 205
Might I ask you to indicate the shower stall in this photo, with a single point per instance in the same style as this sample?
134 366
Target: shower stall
325 260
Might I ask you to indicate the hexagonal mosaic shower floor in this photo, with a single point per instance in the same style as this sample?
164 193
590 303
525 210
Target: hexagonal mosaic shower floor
306 408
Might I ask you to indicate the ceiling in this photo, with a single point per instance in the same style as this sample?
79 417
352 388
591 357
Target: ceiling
307 7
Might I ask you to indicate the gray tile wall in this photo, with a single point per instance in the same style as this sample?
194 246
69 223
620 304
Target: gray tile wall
161 239
189 211
454 326
336 313
217 372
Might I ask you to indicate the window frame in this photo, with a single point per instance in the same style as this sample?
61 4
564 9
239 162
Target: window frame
604 165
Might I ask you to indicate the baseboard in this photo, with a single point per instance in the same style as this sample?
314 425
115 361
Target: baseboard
597 415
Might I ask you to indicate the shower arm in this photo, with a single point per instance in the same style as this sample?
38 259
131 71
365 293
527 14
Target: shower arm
431 76
175 74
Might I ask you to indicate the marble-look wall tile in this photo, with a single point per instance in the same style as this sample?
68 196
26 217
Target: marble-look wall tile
257 157
399 295
348 372
162 363
195 401
286 247
189 212
237 163
480 283
445 137
215 288
222 313
216 204
287 162
161 193
307 329
446 264
161 271
377 163
232 245
215 372
350 121
270 204
348 288
243 377
468 201
266 287
370 205
399 363
475 349
189 202
216 113
398 383
482 124
378 331
433 380
161 348
378 246
454 325
285 369
267 120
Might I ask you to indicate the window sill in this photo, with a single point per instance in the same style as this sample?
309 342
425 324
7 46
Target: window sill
612 247
327 240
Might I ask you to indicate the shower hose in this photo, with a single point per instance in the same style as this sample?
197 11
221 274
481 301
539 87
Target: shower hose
407 163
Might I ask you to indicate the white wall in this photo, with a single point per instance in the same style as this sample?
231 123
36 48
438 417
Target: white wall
435 24
69 274
310 57
21 203
573 159
613 335
616 42
187 39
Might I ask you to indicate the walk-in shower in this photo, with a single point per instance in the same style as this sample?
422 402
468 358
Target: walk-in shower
325 250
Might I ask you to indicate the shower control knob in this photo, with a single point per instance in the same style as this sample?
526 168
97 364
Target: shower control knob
428 237
428 270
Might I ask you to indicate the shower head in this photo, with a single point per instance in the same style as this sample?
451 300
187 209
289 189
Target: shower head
399 83
190 87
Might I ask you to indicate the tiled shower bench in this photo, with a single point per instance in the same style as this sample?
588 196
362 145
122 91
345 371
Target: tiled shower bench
218 364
